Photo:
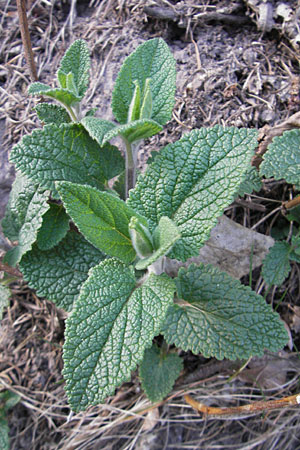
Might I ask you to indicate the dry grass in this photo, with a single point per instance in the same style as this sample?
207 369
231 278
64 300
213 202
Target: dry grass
256 92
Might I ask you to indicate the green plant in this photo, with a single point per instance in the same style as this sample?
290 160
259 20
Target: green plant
7 400
110 270
282 162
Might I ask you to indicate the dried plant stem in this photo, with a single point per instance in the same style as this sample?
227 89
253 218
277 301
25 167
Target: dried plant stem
292 203
236 411
10 270
21 4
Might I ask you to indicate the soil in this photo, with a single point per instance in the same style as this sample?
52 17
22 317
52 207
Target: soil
234 68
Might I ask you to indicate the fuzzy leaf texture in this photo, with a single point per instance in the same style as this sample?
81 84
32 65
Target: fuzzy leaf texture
103 130
252 182
66 153
4 430
151 60
49 113
27 204
282 160
54 227
76 61
4 298
276 265
219 317
165 236
102 218
58 274
63 96
192 181
158 373
109 328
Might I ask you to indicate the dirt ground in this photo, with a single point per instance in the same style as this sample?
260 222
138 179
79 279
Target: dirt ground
237 64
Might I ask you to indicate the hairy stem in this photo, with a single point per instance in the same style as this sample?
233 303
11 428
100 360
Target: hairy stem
21 4
130 176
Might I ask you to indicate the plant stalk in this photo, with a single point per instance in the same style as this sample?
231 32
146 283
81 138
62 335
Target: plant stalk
21 5
130 168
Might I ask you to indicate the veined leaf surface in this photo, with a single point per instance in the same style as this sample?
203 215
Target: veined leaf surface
192 181
109 328
218 316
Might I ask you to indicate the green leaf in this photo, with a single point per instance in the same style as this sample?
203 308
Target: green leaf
276 265
147 105
27 205
251 182
49 113
76 62
63 153
220 317
134 107
10 399
103 130
294 214
63 96
54 227
109 328
102 218
192 181
153 60
158 373
4 298
282 160
4 430
165 236
58 274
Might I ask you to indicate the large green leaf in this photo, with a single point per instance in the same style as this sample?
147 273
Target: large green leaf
58 274
276 265
63 153
54 227
103 130
101 217
64 96
192 181
151 60
49 113
220 317
27 205
76 61
109 328
158 372
282 160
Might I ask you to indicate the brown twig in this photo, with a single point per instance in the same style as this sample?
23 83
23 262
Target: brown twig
236 411
10 270
292 203
21 4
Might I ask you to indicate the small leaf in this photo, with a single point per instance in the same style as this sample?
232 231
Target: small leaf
4 299
58 274
23 218
10 399
49 113
4 430
158 373
140 237
282 160
103 130
109 328
134 107
102 218
62 153
252 182
147 105
192 181
76 62
165 236
276 265
54 227
153 60
63 96
220 317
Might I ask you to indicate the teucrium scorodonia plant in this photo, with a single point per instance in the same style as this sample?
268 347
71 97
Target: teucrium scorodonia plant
110 271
